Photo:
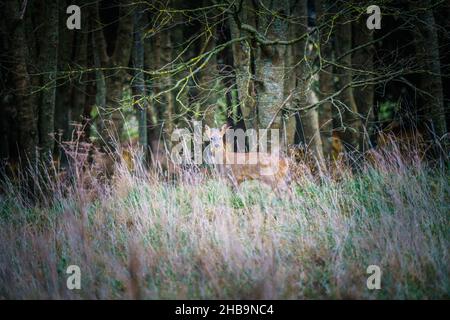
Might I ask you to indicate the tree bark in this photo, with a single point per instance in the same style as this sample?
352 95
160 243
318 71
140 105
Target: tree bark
64 85
110 82
138 86
427 53
349 110
49 62
326 82
290 81
243 62
270 64
79 86
164 104
309 120
362 61
152 116
167 83
181 94
260 66
208 76
26 117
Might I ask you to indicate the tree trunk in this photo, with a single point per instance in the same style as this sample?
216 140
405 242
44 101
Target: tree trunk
26 117
326 82
167 83
182 109
49 62
427 52
119 59
270 65
152 116
208 76
362 61
243 62
309 122
89 103
351 118
64 85
138 85
260 66
290 82
34 65
110 83
309 119
79 86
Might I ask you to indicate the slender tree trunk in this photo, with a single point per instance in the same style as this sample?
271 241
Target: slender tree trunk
167 83
64 86
138 86
362 60
152 116
326 82
444 40
227 73
89 103
243 62
71 91
4 134
427 52
26 117
181 101
309 119
114 94
100 58
310 126
5 98
34 65
120 58
290 82
49 62
79 86
270 65
349 110
110 83
208 76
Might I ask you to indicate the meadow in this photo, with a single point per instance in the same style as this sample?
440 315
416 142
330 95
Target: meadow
137 236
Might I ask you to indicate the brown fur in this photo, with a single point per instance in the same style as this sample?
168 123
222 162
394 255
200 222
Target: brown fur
271 169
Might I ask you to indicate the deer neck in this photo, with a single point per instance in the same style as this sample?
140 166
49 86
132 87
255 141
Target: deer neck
227 156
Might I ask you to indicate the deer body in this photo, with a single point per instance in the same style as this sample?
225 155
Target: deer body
269 168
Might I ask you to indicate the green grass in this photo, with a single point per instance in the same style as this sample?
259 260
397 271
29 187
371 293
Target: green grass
205 240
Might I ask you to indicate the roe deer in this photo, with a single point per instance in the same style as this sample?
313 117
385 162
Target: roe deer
269 168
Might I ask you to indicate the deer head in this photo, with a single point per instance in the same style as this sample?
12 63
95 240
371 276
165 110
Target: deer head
215 137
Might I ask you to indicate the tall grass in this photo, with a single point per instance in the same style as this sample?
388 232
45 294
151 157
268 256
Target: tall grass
136 236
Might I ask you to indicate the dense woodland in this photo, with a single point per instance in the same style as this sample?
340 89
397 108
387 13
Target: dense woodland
363 115
310 68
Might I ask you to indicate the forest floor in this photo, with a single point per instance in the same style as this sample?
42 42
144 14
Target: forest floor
137 237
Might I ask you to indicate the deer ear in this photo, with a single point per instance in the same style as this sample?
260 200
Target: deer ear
224 128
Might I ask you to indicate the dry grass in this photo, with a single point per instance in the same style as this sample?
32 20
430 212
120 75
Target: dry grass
138 237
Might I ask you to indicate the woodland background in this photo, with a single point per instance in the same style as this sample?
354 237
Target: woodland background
86 117
310 68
